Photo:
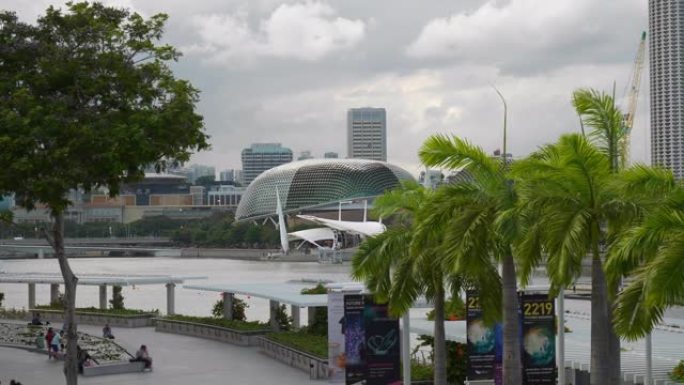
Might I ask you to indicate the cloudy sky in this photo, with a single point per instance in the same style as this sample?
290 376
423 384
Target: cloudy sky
287 71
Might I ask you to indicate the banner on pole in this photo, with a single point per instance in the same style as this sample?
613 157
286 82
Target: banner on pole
336 356
539 339
481 341
354 339
382 344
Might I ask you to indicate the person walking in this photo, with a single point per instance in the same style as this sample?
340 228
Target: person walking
55 344
48 338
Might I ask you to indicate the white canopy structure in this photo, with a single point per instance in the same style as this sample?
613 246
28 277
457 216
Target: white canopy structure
368 229
313 236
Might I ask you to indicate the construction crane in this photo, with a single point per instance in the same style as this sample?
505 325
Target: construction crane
632 95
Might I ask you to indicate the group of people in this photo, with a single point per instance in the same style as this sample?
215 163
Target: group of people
55 346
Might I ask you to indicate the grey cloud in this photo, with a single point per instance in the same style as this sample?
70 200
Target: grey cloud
535 59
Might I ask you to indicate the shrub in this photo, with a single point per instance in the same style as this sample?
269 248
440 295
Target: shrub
318 289
58 302
117 301
677 373
221 322
301 340
456 368
284 321
239 307
319 324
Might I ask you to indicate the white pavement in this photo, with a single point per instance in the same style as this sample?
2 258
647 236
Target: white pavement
178 360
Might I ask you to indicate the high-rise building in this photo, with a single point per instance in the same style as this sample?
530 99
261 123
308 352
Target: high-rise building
331 155
199 170
227 175
367 133
260 157
305 155
666 54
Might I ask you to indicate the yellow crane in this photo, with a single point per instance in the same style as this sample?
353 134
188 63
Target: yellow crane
632 97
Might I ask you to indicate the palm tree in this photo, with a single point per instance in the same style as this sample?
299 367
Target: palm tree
584 224
401 264
652 253
480 225
564 192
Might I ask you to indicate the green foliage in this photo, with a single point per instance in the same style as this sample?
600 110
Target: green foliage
318 289
301 340
93 309
677 373
282 319
2 298
239 307
222 322
457 364
117 301
319 324
421 371
221 230
454 310
87 99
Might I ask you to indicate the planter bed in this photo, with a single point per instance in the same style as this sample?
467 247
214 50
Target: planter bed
317 367
134 320
211 332
19 335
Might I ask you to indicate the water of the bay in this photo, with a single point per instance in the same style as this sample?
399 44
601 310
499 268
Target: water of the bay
191 302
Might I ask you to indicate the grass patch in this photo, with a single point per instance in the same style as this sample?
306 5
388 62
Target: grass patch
93 309
305 342
421 372
221 322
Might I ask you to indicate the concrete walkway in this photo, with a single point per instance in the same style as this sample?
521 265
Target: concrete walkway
178 360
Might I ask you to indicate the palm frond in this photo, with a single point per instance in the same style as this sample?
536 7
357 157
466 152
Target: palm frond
455 153
633 317
598 111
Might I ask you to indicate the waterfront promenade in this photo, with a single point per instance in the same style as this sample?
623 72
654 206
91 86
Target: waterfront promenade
178 360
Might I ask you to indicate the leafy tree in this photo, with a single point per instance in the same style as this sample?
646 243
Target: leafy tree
87 99
402 263
477 216
239 307
253 235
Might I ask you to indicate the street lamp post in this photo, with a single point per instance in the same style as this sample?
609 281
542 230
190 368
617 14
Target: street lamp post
503 100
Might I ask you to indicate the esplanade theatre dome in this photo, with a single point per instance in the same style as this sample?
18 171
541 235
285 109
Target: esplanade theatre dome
313 183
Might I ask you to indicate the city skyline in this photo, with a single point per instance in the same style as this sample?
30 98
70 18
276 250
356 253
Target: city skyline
275 71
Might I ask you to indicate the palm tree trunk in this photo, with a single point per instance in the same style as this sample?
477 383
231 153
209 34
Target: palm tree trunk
440 338
600 325
512 365
615 367
70 281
